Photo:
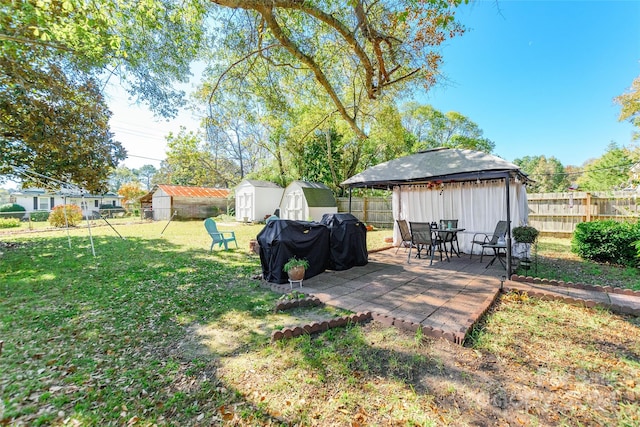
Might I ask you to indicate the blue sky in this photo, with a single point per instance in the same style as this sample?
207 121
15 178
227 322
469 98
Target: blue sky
539 77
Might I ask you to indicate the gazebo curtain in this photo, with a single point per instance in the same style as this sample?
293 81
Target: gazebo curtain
477 206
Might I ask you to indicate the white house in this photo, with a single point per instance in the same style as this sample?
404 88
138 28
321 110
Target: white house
256 199
39 200
307 201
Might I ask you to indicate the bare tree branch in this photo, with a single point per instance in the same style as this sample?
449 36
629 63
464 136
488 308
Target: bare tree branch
230 67
275 28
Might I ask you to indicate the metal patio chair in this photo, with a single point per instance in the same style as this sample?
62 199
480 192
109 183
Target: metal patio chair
424 237
490 242
405 234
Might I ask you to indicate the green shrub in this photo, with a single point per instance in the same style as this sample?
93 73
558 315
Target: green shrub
6 209
9 222
606 241
73 216
525 234
39 216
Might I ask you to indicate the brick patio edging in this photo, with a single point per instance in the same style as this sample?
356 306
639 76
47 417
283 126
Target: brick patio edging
597 288
386 320
309 301
581 302
315 327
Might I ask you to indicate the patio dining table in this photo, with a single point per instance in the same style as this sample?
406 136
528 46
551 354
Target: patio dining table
447 235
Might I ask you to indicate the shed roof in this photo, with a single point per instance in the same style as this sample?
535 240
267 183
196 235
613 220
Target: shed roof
261 184
438 164
317 194
187 191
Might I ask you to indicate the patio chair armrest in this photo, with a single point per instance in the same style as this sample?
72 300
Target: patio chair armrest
485 238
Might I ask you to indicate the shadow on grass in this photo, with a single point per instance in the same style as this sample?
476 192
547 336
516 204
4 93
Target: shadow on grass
95 338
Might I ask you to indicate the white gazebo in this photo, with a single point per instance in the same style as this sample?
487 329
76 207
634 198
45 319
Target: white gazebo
476 188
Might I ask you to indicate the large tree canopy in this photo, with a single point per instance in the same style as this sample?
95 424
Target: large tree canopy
341 57
354 50
54 57
548 174
608 172
433 128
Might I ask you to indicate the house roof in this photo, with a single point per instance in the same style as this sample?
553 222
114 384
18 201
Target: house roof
261 184
186 191
438 164
44 192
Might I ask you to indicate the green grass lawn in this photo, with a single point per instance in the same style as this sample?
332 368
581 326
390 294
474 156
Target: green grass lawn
554 260
157 330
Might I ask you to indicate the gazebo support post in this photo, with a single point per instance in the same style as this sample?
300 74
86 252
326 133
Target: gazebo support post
507 185
350 188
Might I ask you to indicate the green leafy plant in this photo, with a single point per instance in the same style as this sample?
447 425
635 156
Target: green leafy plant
525 234
9 222
39 216
58 218
295 295
606 241
7 209
295 262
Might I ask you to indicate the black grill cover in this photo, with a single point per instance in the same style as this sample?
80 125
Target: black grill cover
281 239
348 241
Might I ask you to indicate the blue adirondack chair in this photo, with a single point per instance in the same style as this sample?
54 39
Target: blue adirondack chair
218 237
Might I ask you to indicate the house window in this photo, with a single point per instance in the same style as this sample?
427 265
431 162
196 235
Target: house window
43 204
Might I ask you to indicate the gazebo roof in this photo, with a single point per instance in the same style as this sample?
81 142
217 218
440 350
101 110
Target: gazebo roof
438 164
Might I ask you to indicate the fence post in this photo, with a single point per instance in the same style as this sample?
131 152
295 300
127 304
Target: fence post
588 207
364 210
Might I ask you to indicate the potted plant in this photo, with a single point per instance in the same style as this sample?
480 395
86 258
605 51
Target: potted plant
295 268
525 234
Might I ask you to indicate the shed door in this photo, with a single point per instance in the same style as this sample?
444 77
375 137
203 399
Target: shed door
246 204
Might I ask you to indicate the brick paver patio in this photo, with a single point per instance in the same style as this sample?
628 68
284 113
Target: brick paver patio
445 299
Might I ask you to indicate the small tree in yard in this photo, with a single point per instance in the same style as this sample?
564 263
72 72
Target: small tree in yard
73 216
130 192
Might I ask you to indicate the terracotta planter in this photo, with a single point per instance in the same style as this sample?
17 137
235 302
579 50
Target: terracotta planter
296 273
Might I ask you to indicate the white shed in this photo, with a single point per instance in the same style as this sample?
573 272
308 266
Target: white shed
185 202
307 201
256 199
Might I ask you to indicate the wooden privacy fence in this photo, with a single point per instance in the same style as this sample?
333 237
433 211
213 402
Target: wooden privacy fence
558 213
551 213
374 211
